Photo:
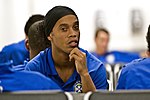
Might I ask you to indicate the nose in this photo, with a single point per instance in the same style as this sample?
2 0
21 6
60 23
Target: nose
72 33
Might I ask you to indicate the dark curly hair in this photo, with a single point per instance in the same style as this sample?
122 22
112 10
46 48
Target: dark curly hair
37 38
32 19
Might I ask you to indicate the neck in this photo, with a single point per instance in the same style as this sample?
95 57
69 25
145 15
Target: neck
61 59
33 53
64 67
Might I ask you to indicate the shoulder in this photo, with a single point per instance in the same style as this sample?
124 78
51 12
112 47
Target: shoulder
136 65
9 47
137 70
39 60
41 56
93 63
14 47
32 64
91 57
94 53
136 62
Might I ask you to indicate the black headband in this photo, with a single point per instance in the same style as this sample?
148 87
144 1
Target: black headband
54 15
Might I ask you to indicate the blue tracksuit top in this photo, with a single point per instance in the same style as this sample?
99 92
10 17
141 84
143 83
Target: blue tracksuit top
44 64
16 52
135 75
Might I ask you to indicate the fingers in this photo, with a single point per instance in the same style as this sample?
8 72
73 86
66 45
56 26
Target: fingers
77 52
75 57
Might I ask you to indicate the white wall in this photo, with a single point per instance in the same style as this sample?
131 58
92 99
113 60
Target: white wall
14 13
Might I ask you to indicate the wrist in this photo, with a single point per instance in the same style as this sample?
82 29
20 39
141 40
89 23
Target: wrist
84 74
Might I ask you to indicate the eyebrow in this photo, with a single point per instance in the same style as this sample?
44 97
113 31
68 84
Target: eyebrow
64 24
76 22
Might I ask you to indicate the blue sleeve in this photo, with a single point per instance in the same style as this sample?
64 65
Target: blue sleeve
100 78
43 82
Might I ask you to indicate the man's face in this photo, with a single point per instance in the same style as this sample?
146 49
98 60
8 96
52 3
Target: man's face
65 34
102 41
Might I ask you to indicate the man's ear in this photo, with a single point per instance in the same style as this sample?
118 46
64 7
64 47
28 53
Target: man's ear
50 36
27 44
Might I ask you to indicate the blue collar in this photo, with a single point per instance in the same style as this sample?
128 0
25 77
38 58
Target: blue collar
52 70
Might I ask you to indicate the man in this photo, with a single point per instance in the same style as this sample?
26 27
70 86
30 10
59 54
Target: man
17 51
37 41
71 67
14 78
102 38
135 75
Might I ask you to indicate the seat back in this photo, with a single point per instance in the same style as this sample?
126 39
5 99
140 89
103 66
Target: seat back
32 95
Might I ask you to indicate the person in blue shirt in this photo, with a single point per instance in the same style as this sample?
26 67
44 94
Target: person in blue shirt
15 78
71 67
35 42
12 80
102 38
135 75
17 52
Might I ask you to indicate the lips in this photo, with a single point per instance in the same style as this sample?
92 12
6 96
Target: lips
73 43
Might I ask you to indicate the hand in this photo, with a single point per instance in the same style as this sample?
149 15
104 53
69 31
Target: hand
80 61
